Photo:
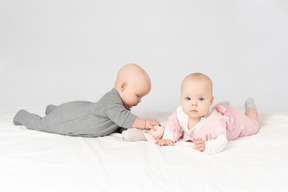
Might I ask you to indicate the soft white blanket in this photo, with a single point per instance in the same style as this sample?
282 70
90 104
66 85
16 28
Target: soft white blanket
32 161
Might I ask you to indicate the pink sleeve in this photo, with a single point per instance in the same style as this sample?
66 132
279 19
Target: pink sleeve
171 123
173 126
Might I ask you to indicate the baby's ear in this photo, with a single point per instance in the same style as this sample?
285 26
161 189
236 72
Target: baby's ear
123 86
212 99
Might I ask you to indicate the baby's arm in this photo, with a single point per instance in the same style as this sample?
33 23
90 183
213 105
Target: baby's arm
145 123
168 138
212 146
199 144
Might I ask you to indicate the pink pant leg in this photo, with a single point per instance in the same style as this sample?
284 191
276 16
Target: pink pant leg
239 125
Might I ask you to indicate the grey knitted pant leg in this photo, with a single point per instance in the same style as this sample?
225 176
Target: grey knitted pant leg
75 118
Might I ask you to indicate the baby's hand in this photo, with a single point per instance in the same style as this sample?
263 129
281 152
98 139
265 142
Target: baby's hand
150 123
199 144
164 142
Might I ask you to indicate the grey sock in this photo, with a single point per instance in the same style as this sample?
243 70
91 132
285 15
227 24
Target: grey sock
225 102
249 103
134 134
20 117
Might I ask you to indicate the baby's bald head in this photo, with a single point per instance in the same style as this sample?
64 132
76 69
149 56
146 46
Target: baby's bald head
131 72
132 81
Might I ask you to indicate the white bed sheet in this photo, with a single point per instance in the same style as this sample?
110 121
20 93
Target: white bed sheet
32 161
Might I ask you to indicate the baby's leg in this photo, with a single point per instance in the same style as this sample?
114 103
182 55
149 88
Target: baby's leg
27 119
67 105
50 108
35 122
250 108
67 119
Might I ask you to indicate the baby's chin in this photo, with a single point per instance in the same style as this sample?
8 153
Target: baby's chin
130 106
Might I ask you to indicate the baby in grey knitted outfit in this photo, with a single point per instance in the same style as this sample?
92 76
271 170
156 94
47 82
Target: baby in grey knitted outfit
94 119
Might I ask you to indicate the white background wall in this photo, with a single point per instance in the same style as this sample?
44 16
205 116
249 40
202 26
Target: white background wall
61 50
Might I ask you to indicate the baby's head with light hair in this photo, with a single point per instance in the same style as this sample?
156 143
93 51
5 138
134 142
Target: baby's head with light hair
132 83
198 77
196 95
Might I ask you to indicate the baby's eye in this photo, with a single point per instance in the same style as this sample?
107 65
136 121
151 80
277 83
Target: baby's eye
188 98
201 99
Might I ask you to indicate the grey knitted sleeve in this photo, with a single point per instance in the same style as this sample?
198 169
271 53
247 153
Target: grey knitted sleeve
120 115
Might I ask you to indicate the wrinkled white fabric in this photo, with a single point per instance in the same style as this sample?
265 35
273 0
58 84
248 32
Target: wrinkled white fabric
33 161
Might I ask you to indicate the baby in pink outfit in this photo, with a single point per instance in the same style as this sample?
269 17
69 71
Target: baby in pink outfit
208 128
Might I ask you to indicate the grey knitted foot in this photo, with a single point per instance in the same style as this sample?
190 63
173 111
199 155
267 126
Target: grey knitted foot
134 134
49 109
225 102
249 103
20 117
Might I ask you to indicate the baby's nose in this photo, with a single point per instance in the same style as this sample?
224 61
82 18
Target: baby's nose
194 104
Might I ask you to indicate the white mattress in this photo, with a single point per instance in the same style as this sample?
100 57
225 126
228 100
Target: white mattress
32 161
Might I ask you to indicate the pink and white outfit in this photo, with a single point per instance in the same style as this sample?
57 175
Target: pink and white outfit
221 124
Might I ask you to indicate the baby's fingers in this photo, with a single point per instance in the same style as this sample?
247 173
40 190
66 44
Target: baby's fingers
153 128
200 148
155 122
159 142
156 141
197 141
